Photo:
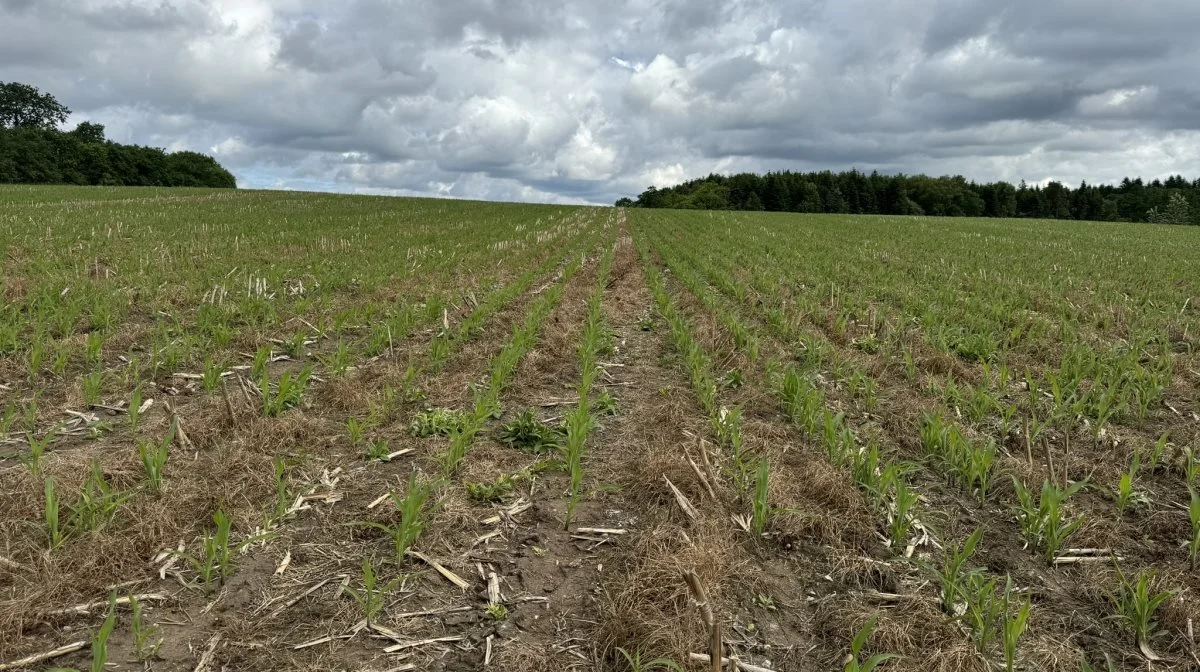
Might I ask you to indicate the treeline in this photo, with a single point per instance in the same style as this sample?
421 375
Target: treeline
39 155
1174 201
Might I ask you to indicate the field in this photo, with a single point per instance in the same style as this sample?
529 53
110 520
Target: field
269 430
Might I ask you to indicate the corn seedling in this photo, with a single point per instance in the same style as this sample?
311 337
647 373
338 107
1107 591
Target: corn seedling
439 351
636 664
1015 623
146 638
36 357
837 438
866 469
373 594
92 383
1044 522
215 562
404 533
283 497
154 459
211 375
970 463
1158 451
50 509
356 429
1125 493
802 402
339 361
1136 602
727 425
258 367
983 611
210 566
902 513
94 347
135 407
97 504
578 423
101 636
37 448
460 442
294 347
762 510
378 449
854 664
954 574
286 394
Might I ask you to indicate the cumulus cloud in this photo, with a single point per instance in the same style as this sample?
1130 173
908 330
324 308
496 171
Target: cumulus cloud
576 101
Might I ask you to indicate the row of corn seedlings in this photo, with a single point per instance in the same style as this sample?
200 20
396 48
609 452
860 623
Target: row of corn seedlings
1043 519
486 402
581 421
805 404
461 428
972 460
994 617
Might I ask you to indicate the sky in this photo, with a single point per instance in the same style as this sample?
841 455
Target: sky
582 101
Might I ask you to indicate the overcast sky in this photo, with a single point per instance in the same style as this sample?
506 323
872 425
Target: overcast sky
576 100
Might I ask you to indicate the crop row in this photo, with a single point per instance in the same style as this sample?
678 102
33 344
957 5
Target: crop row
1041 514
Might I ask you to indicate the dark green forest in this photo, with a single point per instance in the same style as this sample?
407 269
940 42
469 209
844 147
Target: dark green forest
34 151
1174 201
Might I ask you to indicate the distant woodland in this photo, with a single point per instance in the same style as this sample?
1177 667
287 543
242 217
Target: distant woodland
1174 201
34 151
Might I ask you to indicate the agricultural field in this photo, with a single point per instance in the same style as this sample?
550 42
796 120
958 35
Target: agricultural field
268 430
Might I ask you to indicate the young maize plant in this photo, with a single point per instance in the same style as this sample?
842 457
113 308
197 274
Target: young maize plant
803 402
580 422
97 504
984 612
762 510
372 597
1044 523
147 639
1136 603
154 459
501 369
1015 623
37 448
135 407
215 562
100 638
970 463
954 575
407 530
286 394
50 507
854 662
903 517
1125 494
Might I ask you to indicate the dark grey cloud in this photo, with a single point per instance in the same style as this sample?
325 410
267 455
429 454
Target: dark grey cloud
581 101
